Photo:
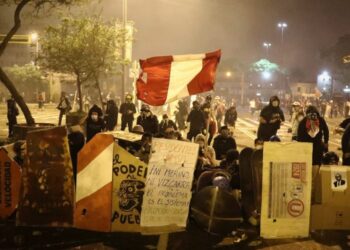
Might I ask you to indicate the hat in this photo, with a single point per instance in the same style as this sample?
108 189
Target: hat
145 107
138 129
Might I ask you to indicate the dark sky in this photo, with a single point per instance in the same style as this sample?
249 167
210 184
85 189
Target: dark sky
238 27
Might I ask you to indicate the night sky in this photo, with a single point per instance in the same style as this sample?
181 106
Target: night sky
238 27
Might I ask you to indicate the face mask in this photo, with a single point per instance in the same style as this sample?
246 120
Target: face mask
148 114
312 116
94 117
275 103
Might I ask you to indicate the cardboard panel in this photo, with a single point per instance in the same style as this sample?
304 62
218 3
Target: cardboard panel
47 192
328 217
168 187
331 193
286 194
94 184
10 180
129 177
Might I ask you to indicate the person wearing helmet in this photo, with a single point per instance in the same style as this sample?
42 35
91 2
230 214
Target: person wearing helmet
271 117
313 128
297 116
148 121
127 109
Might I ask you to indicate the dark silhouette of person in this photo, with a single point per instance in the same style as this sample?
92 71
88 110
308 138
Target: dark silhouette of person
313 128
148 121
12 113
271 117
127 109
94 122
197 121
64 107
339 182
111 116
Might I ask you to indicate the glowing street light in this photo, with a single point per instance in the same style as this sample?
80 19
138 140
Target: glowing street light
267 46
34 39
282 26
228 74
266 75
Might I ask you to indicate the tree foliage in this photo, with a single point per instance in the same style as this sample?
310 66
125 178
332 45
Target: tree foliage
37 6
264 65
85 47
333 58
28 78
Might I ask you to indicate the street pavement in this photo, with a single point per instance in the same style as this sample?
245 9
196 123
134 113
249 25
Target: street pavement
245 132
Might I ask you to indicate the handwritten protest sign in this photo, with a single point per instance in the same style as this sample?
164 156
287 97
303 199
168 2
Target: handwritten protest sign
129 177
168 186
47 191
10 177
286 193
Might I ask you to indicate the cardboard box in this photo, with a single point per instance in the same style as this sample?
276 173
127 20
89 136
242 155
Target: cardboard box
330 217
329 193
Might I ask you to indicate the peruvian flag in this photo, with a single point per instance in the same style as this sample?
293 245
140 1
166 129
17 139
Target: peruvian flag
166 79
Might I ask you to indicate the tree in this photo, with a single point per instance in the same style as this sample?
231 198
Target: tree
37 6
333 57
85 47
264 65
28 78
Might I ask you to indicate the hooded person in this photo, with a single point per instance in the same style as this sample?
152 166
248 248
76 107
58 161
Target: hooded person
271 117
111 116
196 119
94 122
313 128
297 116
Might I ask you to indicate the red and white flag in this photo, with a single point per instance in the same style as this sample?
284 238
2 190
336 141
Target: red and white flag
166 79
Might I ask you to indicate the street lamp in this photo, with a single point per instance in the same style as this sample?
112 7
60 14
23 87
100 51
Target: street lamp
282 26
266 75
34 39
267 46
228 74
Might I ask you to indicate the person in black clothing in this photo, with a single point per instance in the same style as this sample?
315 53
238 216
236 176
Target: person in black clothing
313 128
76 142
148 121
231 116
271 117
345 146
12 113
342 126
111 116
196 120
63 106
127 109
94 122
223 143
181 114
165 124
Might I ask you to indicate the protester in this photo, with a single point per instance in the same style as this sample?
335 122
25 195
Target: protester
196 120
94 122
76 142
330 158
127 109
12 113
297 116
181 114
165 124
145 150
313 128
219 108
271 117
111 116
148 121
63 106
40 101
231 118
231 165
223 143
206 153
345 146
